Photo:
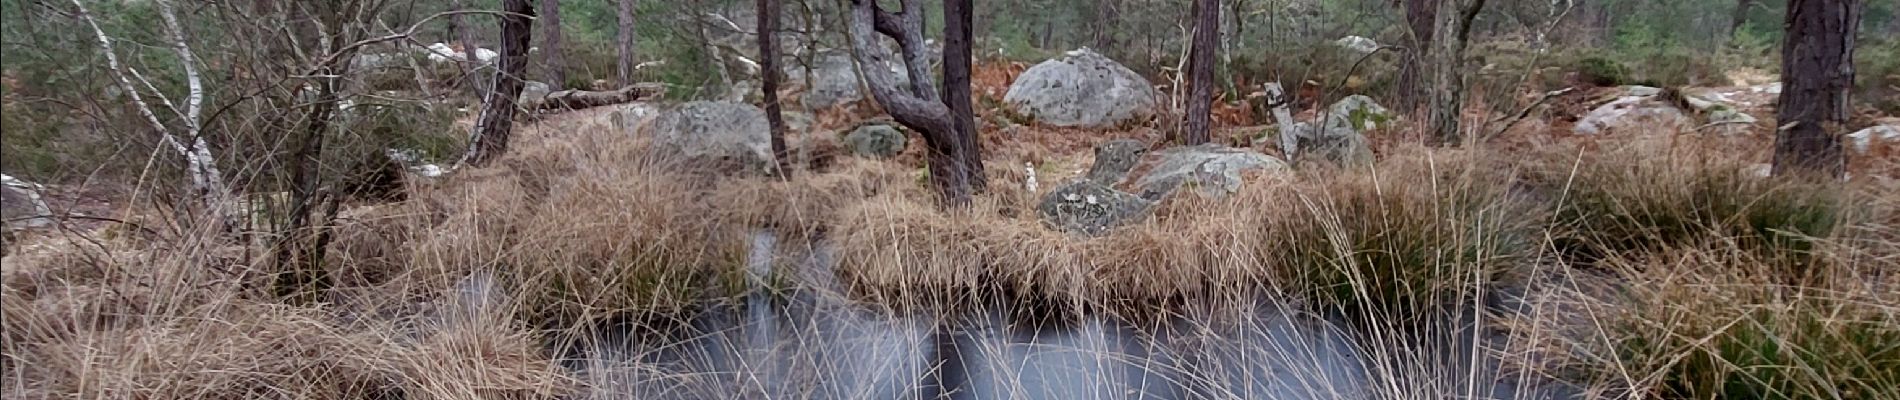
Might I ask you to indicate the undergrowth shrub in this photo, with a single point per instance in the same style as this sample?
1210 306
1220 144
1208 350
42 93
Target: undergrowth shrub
1699 323
1393 247
1617 206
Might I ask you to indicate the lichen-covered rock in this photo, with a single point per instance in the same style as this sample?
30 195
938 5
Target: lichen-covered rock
1338 145
1089 207
1082 89
719 134
1212 169
1359 113
875 141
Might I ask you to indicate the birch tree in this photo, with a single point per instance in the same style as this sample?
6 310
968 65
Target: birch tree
206 182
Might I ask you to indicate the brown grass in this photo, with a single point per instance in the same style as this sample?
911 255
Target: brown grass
582 222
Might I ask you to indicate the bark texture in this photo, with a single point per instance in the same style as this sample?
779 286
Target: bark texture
770 72
1453 28
1419 19
556 62
1817 64
496 122
1201 72
624 42
956 169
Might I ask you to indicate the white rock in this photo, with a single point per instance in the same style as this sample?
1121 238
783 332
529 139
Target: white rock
1863 141
1359 44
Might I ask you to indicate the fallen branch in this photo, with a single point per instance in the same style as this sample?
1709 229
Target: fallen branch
575 99
1526 112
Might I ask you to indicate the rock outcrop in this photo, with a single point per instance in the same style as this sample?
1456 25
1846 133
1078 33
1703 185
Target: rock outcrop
1083 89
1092 205
1640 111
1210 169
716 134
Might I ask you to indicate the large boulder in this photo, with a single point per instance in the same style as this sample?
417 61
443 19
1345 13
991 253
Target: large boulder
21 206
1083 89
1634 113
875 141
1339 145
1864 140
834 79
632 117
1212 169
1359 113
720 134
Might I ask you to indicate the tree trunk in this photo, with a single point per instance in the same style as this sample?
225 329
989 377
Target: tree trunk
551 44
1448 79
1418 17
958 35
496 122
1201 72
770 72
462 32
624 42
1106 16
299 254
1817 69
955 169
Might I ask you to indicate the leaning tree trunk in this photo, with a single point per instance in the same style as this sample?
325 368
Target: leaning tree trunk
769 73
1817 69
624 42
1201 72
551 44
1418 19
496 122
955 168
1448 79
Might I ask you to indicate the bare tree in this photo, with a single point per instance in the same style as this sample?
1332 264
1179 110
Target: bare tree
495 123
1817 69
956 167
1107 12
551 44
1448 53
1201 71
1418 20
624 42
207 182
770 72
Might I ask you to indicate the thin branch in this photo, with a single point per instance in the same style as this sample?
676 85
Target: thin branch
125 83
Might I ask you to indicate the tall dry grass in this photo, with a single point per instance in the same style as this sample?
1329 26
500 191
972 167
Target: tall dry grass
582 224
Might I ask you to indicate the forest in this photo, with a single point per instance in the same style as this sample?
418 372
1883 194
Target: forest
950 199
